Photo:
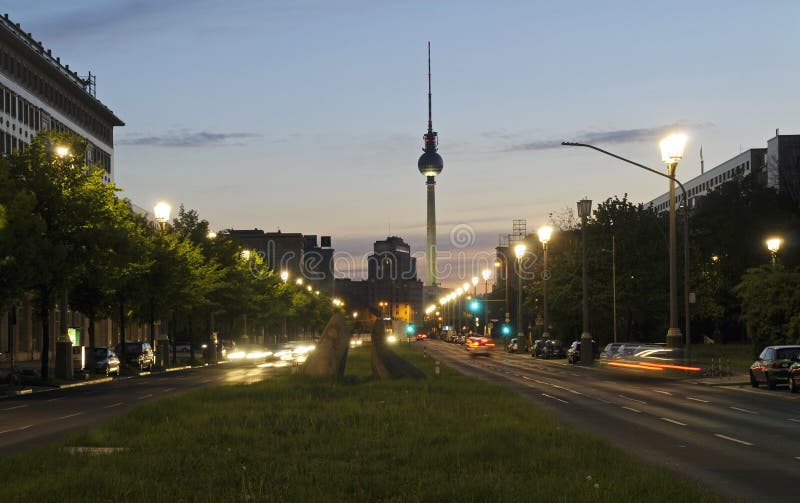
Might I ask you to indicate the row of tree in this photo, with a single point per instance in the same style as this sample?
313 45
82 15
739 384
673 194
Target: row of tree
65 234
737 295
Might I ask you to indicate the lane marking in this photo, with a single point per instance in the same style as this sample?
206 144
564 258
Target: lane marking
673 421
113 405
663 392
554 398
697 399
732 439
632 399
601 400
16 429
168 389
59 398
69 416
143 397
744 410
16 407
794 420
631 409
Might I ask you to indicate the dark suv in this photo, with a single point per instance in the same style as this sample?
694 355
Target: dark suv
137 354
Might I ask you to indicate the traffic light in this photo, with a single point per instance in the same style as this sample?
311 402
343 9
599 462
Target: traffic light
474 306
506 330
410 328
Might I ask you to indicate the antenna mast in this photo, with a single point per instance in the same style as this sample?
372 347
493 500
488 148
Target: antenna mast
430 115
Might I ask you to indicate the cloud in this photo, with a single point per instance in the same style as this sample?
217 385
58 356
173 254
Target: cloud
609 137
190 139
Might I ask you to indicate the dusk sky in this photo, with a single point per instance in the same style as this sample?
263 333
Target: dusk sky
308 116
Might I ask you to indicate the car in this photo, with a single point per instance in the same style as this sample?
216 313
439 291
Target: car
137 354
512 346
105 361
610 350
538 348
422 337
794 375
254 353
772 366
479 346
574 351
553 348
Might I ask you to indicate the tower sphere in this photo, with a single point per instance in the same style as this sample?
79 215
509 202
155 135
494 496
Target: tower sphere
430 164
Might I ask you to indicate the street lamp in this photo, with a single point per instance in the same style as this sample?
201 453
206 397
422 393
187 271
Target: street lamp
505 266
486 275
298 282
519 252
671 153
459 293
284 276
584 212
773 245
211 235
475 281
544 237
161 212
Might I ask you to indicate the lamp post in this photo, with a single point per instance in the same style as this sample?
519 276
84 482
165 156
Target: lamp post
544 237
671 154
674 157
475 281
161 213
584 212
519 252
459 293
486 275
773 245
505 265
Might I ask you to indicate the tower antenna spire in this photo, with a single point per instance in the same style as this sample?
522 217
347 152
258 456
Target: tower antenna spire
430 115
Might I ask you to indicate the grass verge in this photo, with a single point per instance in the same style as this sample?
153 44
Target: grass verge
292 438
736 356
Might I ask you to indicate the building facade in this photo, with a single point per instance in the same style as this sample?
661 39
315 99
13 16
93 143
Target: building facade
392 284
38 92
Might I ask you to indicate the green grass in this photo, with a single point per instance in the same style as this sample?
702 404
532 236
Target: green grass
740 356
293 438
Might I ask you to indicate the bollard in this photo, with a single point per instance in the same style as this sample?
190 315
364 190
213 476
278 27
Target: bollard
436 368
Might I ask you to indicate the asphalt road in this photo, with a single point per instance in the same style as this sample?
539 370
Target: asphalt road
743 442
39 418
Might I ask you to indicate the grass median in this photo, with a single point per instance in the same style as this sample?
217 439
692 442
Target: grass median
292 438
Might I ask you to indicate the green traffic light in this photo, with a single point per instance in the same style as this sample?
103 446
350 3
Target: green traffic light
474 306
410 328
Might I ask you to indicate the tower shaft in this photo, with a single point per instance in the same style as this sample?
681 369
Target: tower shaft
430 248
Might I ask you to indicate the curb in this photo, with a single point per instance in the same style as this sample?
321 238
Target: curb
84 383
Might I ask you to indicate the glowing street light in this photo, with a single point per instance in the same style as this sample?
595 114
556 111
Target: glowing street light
62 151
671 153
773 245
284 276
299 282
161 212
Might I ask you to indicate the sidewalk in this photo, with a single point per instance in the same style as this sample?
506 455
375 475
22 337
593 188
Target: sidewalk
738 379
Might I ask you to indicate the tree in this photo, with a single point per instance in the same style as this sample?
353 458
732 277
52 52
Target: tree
770 297
66 194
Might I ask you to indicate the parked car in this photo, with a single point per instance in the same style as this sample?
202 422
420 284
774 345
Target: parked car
794 375
553 348
422 337
772 366
137 354
537 348
513 346
479 346
105 361
574 351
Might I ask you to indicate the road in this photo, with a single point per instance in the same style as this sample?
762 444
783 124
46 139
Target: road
741 441
39 418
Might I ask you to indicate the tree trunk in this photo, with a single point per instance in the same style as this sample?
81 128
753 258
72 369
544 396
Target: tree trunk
44 304
191 341
152 321
122 326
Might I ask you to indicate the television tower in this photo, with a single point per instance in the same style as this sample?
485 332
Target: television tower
430 164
